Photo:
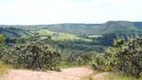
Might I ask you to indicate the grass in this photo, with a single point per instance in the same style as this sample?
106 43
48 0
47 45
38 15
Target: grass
45 32
94 36
60 36
110 76
4 69
88 77
91 76
118 76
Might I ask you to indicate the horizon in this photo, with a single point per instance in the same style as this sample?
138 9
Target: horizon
66 23
33 12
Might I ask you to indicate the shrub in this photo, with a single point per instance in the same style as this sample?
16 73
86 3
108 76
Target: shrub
130 55
32 55
125 56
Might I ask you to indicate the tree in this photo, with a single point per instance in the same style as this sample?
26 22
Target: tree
125 56
129 53
35 55
2 39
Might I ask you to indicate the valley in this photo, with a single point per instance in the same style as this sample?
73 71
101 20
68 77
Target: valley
67 47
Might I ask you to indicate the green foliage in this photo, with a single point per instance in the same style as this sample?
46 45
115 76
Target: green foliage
11 32
82 30
58 36
80 60
115 26
76 59
94 36
33 55
2 39
125 56
129 54
103 62
75 50
119 76
3 69
85 30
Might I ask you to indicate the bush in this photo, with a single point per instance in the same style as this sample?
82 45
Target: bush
125 56
130 55
32 55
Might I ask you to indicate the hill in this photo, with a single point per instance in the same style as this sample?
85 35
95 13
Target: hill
11 32
138 25
78 29
81 30
43 33
116 26
84 30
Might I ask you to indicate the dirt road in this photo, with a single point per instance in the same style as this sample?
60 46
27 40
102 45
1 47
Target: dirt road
65 74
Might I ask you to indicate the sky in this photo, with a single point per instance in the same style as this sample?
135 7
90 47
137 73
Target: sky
30 12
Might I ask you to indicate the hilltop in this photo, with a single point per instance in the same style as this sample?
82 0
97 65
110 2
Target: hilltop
116 26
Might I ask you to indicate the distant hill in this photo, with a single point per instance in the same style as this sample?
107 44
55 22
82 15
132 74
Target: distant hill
77 29
138 25
116 26
82 29
11 32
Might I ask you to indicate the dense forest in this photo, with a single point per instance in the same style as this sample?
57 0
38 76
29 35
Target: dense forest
111 46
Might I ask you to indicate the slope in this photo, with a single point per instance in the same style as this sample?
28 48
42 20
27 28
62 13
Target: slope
58 36
116 26
81 30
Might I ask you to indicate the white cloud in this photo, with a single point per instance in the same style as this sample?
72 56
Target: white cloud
65 11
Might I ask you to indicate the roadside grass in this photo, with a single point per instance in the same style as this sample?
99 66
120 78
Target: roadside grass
4 69
91 76
119 76
109 76
88 77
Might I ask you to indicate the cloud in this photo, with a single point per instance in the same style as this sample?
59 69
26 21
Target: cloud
68 11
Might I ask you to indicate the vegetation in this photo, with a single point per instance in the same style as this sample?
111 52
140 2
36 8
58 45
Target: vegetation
85 30
2 39
32 55
89 77
118 76
66 45
58 36
3 69
129 54
125 56
82 30
115 26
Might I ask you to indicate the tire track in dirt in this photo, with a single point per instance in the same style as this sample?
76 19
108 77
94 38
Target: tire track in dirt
65 74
